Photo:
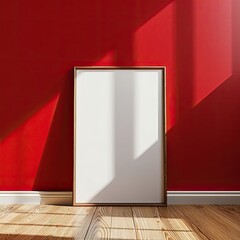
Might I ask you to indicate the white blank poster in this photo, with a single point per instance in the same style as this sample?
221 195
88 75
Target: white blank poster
119 136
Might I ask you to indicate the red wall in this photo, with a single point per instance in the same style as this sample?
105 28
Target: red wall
40 43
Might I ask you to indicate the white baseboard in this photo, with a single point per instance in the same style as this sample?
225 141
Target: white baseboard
203 197
35 197
173 197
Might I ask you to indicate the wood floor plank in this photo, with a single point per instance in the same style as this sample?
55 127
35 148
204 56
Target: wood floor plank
198 234
7 216
211 225
100 225
48 221
59 225
8 209
232 210
38 224
82 221
68 223
224 221
175 227
25 222
147 223
11 227
122 226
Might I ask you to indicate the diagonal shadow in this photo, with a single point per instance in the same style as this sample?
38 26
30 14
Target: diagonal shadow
205 141
184 57
58 147
203 146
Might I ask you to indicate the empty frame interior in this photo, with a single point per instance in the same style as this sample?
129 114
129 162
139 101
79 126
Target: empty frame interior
119 136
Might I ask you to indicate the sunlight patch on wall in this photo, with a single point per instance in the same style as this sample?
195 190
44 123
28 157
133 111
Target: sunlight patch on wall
154 41
107 59
213 47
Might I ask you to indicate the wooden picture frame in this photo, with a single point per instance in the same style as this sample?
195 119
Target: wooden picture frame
111 102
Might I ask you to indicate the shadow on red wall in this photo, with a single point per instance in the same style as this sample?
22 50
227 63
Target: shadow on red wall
204 143
203 152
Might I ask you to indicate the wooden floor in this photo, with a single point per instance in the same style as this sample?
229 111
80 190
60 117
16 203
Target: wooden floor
172 222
